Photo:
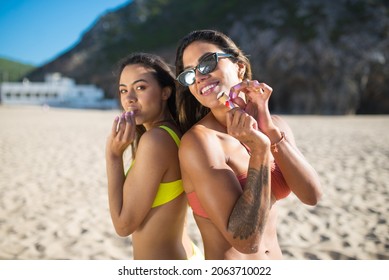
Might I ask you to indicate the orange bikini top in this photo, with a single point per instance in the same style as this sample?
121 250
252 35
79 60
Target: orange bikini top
279 189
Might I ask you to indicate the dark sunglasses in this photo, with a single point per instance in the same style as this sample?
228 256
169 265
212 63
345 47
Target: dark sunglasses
206 65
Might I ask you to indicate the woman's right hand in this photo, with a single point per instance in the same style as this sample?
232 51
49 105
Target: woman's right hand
122 134
244 127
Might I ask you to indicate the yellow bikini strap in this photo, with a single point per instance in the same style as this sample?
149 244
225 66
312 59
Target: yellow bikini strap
172 134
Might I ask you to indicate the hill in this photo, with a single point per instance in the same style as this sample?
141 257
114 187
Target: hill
12 71
320 56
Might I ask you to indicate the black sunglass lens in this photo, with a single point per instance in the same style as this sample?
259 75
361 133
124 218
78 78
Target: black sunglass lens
187 78
207 65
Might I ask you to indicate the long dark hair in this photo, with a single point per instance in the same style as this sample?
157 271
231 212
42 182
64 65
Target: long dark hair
190 111
164 76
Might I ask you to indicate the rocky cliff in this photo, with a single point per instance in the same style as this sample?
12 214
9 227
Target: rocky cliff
320 56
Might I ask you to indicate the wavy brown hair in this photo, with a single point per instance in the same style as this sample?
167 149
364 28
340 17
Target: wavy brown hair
190 111
163 75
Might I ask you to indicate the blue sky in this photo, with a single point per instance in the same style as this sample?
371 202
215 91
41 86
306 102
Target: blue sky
37 31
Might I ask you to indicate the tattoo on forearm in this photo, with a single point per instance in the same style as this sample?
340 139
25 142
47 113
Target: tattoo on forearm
250 211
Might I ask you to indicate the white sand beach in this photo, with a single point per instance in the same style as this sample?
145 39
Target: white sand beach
53 192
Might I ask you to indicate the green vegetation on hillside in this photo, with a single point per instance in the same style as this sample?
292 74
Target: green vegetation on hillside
11 71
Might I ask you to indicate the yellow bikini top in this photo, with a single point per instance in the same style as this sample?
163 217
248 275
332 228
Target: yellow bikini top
170 190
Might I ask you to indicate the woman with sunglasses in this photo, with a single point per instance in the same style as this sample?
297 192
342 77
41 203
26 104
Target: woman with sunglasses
235 163
148 201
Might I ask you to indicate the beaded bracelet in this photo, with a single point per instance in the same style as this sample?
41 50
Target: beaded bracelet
273 147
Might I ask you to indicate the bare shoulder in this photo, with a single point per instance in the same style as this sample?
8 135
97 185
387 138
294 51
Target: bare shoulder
198 137
157 139
200 143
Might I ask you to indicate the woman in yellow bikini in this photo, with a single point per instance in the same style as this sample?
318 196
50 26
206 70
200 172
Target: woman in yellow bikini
147 201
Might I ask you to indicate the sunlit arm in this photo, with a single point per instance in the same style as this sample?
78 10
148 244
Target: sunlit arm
116 178
300 176
249 215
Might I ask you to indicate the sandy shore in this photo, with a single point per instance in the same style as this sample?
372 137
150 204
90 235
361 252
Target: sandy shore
53 193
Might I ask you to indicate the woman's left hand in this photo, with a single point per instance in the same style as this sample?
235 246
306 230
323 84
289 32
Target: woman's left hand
257 101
